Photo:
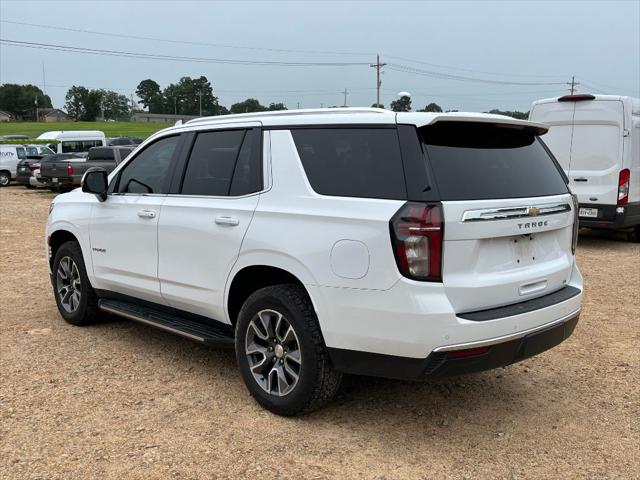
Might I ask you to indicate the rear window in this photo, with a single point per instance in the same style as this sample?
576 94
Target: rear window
474 161
352 162
96 154
125 152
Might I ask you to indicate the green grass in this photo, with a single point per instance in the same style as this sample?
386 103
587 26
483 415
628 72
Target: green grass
110 129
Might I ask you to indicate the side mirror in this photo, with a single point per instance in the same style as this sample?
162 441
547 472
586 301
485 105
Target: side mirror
95 181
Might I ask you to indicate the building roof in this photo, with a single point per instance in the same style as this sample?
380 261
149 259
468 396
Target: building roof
55 111
2 112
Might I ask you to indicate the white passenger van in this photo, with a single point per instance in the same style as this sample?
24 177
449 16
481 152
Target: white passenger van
596 140
74 141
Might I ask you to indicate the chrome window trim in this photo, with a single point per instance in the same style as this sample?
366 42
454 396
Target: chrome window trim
506 213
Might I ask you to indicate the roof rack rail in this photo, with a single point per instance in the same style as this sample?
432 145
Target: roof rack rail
308 111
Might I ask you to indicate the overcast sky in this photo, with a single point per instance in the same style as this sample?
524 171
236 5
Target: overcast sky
534 43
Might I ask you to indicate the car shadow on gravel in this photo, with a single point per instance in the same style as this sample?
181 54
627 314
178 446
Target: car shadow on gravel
360 400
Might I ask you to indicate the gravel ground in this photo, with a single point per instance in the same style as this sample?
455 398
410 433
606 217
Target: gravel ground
121 400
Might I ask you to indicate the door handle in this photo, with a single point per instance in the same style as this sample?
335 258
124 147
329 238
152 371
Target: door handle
230 221
581 179
146 214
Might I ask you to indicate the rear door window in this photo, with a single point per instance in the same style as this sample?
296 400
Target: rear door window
100 154
224 163
475 161
352 162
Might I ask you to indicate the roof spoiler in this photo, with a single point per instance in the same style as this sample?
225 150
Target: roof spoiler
578 97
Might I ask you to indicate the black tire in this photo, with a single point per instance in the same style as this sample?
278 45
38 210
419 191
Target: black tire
634 235
29 186
86 311
317 382
5 179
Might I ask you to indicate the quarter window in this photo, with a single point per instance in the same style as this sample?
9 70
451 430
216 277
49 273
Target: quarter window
352 162
148 172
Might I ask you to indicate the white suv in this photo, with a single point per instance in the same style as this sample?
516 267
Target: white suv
407 245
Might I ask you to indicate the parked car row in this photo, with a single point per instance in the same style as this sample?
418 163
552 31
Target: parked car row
64 171
12 154
61 164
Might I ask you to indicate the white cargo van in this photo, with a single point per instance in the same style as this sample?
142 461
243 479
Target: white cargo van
74 141
596 140
10 155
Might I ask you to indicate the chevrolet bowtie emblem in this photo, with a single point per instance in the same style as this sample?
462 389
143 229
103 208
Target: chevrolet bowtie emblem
534 212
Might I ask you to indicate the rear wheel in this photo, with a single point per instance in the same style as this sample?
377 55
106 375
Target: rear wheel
634 235
76 299
5 179
281 353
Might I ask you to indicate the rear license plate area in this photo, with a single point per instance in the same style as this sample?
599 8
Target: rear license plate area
588 212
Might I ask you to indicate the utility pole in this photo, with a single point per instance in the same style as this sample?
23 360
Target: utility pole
297 105
175 105
200 95
346 92
378 66
37 111
573 84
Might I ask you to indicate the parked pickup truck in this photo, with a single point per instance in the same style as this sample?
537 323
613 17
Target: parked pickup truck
68 173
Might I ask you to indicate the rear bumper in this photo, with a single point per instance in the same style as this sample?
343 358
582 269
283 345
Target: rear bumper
612 216
500 352
29 180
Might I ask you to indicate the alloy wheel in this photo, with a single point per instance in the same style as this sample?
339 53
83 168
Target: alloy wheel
68 284
273 352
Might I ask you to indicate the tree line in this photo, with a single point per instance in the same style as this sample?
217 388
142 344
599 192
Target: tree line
193 96
19 100
188 96
403 104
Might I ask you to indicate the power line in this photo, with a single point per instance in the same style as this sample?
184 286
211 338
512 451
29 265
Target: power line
446 76
176 58
449 67
185 42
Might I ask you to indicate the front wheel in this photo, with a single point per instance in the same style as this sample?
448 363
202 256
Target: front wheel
281 352
5 179
76 300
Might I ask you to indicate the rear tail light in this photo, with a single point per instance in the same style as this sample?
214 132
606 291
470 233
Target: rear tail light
69 170
623 187
574 238
416 235
578 97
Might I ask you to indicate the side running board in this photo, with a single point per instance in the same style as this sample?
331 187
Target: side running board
215 335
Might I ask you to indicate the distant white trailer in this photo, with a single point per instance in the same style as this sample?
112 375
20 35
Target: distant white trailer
74 141
596 140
